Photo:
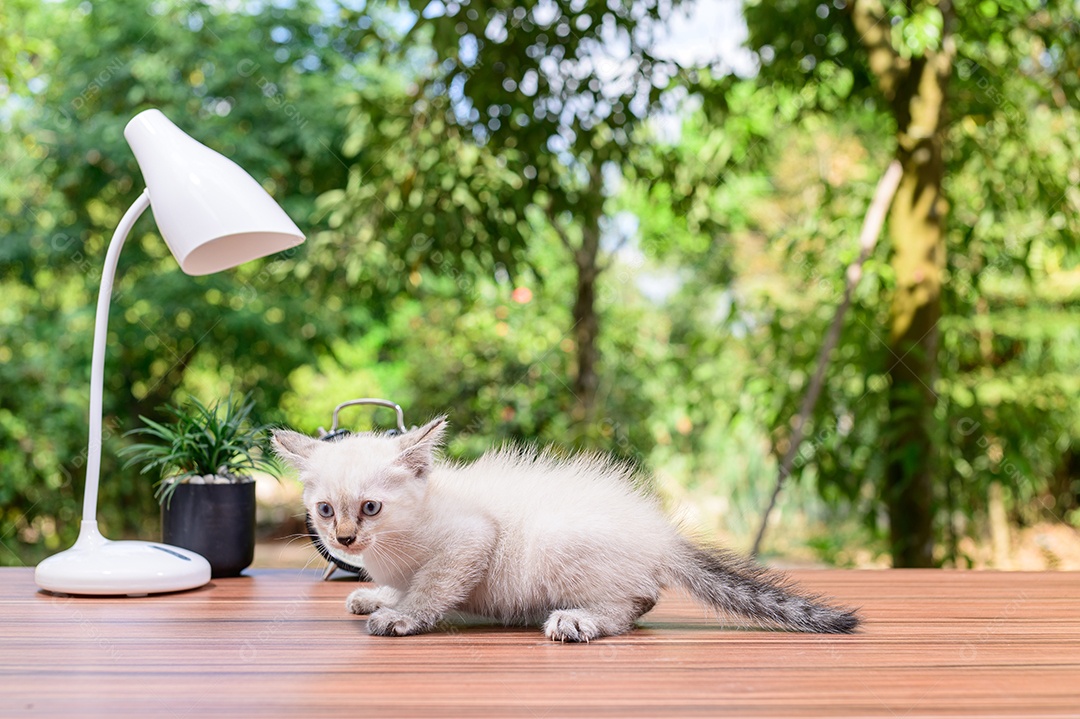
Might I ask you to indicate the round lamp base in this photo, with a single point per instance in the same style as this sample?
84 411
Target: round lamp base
96 565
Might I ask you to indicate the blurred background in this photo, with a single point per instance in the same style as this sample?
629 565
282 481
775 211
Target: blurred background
613 224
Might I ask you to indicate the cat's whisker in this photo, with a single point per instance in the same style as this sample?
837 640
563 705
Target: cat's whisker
400 553
399 539
302 535
380 551
312 559
405 542
297 537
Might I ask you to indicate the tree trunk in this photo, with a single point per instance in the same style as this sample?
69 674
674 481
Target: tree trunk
916 89
917 229
585 319
999 527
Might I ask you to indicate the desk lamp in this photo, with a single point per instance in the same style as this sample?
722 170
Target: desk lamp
213 216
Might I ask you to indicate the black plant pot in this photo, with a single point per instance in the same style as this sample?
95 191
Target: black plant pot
215 520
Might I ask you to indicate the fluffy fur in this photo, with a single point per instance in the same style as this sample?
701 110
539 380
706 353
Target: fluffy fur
519 536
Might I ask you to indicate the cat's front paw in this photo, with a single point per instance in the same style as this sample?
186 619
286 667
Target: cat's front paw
364 601
387 622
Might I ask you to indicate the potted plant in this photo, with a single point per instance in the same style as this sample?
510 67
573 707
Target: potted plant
203 460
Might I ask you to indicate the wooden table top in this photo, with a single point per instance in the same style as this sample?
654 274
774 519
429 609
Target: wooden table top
279 643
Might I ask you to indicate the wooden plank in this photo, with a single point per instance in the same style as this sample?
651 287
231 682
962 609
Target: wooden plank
279 642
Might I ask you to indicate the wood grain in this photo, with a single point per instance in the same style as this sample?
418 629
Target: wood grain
279 643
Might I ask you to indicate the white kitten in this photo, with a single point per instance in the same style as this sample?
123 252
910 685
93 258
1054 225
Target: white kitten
519 536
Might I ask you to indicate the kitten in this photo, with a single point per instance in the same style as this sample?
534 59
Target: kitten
518 536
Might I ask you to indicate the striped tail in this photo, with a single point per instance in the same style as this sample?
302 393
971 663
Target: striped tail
737 586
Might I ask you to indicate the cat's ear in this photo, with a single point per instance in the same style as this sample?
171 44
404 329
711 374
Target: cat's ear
418 447
292 447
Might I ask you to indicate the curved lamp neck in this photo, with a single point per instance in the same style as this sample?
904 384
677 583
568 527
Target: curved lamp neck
97 367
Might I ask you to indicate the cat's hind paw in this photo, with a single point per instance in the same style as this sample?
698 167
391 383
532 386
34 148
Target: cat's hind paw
387 622
572 625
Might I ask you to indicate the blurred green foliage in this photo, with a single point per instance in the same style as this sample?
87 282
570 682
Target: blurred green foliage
451 164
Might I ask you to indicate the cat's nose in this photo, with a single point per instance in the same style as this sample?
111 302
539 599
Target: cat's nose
347 540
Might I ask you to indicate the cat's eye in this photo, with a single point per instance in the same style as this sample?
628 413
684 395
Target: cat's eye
371 507
325 510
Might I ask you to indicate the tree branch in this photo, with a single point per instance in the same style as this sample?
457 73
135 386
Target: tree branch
563 237
871 229
611 255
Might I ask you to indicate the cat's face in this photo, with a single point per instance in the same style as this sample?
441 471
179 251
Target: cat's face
363 487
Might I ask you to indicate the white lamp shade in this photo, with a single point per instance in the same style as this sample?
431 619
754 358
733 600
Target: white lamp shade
212 214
